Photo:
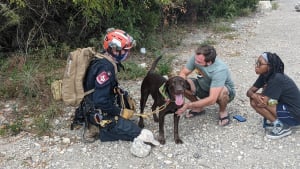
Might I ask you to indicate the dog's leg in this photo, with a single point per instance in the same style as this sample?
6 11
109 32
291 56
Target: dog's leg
161 137
153 108
141 122
176 135
143 100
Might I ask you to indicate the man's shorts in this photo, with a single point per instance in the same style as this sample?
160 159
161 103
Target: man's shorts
285 116
201 93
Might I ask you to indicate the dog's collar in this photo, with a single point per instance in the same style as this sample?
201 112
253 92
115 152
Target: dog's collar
163 92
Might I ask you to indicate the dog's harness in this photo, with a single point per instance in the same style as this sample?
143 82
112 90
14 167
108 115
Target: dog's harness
165 94
157 110
163 91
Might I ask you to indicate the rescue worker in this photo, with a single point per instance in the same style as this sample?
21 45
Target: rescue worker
107 116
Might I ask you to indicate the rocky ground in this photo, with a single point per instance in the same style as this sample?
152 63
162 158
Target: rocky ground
206 145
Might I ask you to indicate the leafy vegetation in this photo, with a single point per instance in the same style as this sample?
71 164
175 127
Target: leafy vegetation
274 5
132 71
29 25
36 37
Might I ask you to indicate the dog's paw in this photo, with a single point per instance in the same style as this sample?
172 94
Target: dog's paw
178 141
141 124
161 140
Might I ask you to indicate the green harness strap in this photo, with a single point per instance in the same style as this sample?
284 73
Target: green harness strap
163 92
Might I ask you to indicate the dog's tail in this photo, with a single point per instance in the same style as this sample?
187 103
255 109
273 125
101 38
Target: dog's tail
152 69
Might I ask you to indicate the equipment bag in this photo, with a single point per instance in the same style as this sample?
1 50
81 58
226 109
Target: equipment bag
56 89
77 64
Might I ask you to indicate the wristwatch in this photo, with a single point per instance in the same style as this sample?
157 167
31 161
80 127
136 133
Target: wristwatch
272 102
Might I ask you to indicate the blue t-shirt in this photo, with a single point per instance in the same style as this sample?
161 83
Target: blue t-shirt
215 75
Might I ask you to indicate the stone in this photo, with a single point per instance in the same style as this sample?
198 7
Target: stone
264 6
297 7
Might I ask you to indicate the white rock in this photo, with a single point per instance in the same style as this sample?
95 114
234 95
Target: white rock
143 65
66 140
168 162
264 6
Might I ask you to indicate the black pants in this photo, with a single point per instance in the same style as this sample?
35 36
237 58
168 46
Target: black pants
121 129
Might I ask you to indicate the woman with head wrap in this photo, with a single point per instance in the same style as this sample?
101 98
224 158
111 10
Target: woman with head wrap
279 100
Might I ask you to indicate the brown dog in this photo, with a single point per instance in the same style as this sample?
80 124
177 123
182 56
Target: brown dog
170 95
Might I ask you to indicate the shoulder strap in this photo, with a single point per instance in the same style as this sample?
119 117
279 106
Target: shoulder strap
101 56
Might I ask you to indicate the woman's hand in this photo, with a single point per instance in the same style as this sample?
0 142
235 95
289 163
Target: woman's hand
259 100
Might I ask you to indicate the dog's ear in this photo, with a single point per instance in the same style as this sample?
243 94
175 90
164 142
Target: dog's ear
187 85
167 84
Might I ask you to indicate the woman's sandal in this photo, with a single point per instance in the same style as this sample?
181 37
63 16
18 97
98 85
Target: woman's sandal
225 118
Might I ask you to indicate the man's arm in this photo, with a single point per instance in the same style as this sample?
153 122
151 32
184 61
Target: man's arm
184 72
210 100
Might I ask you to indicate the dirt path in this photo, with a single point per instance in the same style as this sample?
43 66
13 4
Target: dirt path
206 145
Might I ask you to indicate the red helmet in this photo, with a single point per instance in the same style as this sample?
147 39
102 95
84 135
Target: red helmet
119 39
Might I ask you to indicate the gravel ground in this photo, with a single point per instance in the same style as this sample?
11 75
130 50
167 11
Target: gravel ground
206 145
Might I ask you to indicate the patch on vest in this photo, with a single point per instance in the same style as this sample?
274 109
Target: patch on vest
102 77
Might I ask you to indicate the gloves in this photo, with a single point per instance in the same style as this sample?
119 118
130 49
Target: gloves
126 113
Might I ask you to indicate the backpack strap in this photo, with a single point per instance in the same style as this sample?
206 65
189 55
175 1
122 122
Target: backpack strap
101 56
89 92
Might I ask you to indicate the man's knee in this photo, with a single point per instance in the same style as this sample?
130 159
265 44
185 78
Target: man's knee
224 96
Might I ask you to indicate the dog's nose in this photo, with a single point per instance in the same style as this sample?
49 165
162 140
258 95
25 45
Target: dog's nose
179 90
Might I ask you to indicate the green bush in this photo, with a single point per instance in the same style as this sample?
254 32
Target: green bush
221 27
14 125
44 42
275 5
132 71
210 10
164 66
208 42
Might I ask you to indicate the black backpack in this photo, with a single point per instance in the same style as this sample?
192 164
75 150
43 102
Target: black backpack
81 114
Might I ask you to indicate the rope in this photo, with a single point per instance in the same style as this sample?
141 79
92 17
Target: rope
143 115
157 110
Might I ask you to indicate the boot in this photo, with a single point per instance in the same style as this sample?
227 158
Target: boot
91 134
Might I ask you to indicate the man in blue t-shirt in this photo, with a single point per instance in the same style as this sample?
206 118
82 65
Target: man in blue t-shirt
212 85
